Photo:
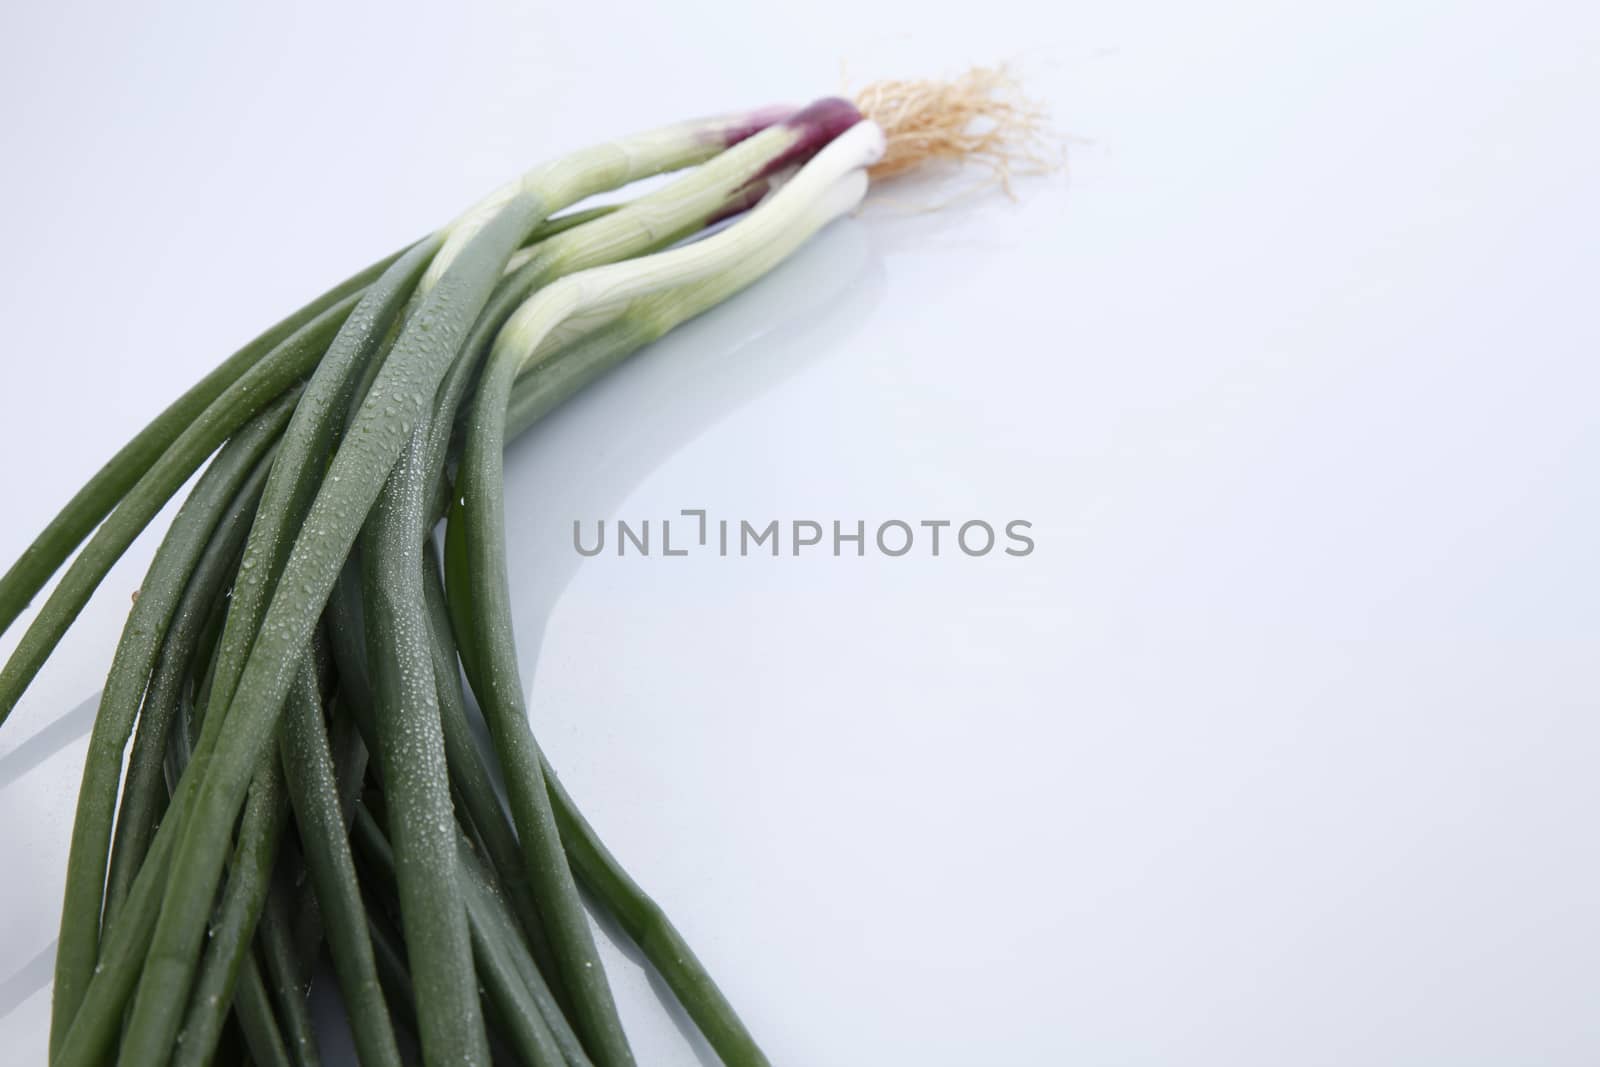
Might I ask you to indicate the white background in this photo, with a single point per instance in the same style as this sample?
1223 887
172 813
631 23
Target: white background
1279 749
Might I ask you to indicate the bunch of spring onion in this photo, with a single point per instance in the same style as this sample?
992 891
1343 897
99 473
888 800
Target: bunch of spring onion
285 759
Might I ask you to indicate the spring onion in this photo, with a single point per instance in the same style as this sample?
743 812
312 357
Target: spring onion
300 640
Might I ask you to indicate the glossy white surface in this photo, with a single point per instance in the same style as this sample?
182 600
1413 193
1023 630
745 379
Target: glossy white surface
1279 749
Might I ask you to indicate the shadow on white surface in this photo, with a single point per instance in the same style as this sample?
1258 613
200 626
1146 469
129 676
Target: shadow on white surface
669 395
49 740
27 980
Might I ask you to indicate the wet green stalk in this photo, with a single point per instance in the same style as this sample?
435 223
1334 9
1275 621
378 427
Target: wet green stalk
175 560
